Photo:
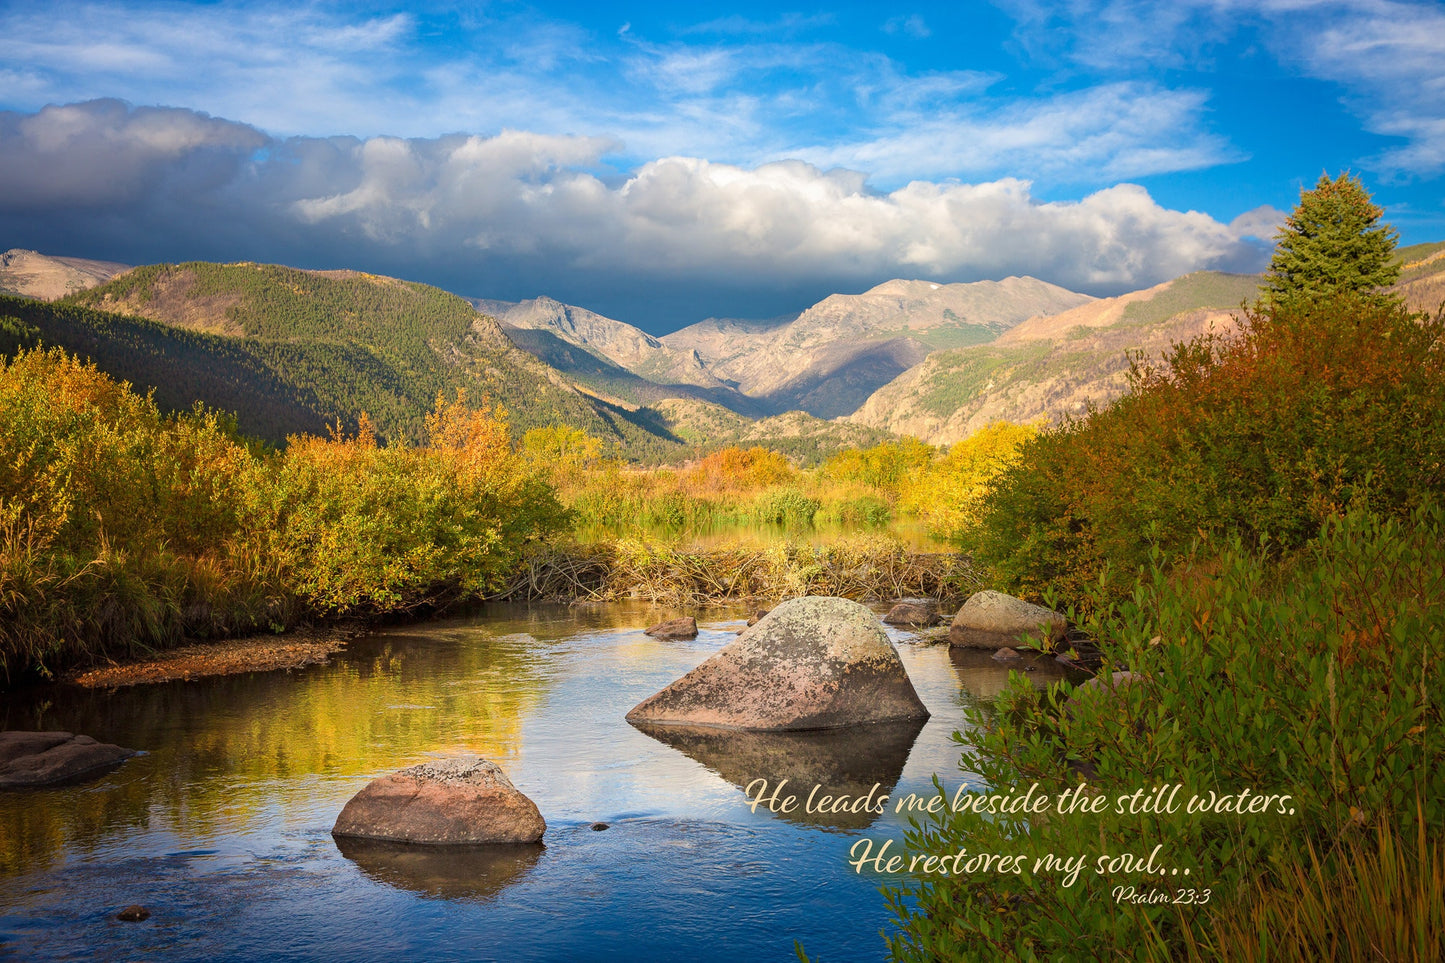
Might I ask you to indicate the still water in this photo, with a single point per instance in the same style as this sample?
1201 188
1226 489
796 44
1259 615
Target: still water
221 829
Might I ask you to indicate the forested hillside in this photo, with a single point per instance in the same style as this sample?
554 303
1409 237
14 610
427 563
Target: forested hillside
293 351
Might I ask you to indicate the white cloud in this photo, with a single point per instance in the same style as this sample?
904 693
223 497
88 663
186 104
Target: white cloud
529 200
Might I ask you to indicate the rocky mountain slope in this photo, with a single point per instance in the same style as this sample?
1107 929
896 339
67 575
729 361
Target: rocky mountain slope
1052 366
612 358
1422 276
830 358
35 275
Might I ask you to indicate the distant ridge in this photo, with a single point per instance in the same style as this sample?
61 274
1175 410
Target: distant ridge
35 275
1054 366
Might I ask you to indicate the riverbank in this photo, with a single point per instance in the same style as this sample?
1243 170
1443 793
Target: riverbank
870 568
300 647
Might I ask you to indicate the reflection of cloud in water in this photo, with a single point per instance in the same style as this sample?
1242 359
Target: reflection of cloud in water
473 873
984 678
842 762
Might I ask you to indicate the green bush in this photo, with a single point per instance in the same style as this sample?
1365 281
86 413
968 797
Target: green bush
1311 408
1319 679
787 507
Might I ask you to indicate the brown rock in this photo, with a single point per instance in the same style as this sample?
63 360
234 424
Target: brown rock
1006 654
912 614
684 628
812 663
47 758
993 620
134 913
449 802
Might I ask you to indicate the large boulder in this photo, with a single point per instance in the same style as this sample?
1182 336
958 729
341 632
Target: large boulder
811 663
48 758
993 620
449 802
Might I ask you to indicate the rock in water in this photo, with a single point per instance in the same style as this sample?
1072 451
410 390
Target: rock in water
684 628
912 614
812 663
993 620
47 758
457 802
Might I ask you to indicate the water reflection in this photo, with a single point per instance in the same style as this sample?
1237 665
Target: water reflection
840 762
474 873
984 678
226 755
222 828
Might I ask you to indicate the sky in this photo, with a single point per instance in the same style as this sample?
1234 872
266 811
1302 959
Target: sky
661 166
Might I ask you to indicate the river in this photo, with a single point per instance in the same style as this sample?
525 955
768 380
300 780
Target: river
221 828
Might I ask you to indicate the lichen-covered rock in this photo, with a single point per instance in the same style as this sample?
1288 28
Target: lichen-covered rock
912 614
684 628
47 758
812 663
993 620
448 802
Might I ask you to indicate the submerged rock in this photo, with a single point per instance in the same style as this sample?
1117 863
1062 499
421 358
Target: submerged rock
993 620
812 663
448 802
1006 654
912 614
47 758
684 628
134 913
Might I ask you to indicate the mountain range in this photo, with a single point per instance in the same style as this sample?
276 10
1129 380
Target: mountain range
296 351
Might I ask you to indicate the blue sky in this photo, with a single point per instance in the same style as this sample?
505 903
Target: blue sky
662 166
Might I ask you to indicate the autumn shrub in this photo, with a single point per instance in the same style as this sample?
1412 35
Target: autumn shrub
365 528
1319 679
949 495
1311 408
885 467
736 469
124 530
120 528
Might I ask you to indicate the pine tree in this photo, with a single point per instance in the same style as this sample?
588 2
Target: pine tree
1331 244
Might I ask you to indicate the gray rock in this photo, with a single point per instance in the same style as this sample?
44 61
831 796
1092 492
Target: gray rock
812 663
449 802
912 614
993 620
684 628
1102 687
47 758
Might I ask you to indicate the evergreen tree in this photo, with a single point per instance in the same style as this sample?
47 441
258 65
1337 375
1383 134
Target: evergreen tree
1332 244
